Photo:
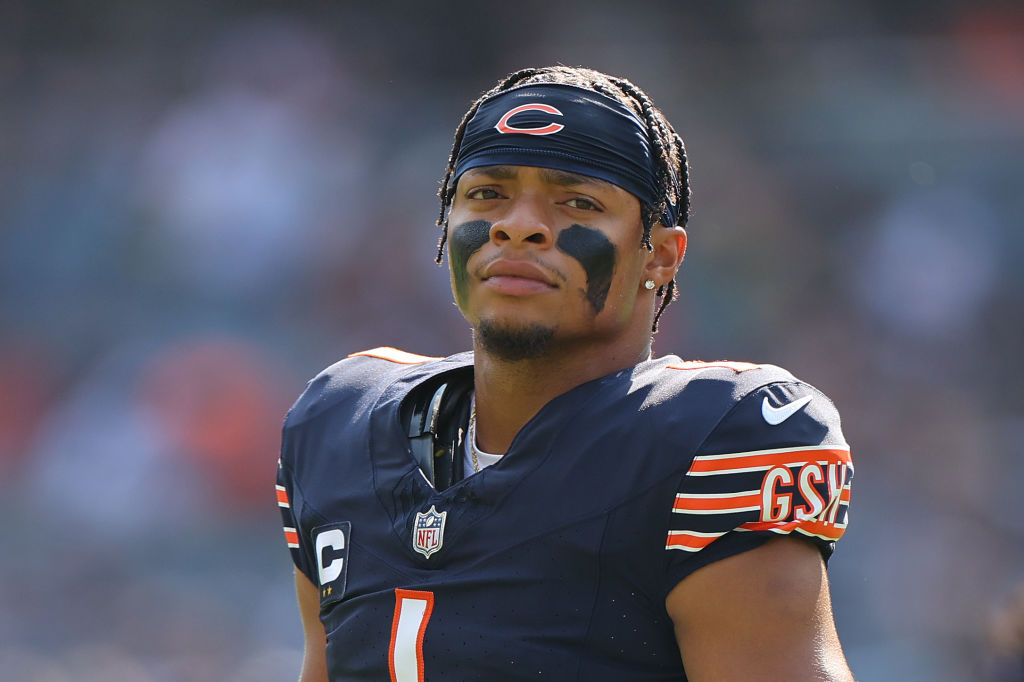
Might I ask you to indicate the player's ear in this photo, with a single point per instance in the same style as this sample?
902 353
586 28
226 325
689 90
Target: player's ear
668 248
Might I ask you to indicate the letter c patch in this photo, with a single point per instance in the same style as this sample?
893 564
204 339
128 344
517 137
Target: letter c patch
332 545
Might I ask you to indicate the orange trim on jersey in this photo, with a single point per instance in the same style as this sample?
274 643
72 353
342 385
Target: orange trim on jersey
394 355
716 503
291 536
697 364
690 541
282 497
826 531
765 459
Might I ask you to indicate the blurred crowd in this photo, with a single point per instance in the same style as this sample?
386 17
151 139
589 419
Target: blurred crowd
201 206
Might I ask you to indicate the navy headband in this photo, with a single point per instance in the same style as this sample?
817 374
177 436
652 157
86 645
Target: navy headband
565 127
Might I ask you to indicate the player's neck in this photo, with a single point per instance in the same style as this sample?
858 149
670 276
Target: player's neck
509 394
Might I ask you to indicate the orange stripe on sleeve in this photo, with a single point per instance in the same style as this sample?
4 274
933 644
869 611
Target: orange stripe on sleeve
825 531
291 536
709 465
717 504
282 497
690 541
394 355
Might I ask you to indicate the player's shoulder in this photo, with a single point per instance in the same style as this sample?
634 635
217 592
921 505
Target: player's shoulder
761 401
726 381
772 462
362 376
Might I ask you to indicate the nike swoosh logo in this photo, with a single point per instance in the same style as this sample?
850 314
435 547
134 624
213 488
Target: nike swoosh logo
777 415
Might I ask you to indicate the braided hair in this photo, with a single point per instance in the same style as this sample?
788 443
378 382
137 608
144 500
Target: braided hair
669 150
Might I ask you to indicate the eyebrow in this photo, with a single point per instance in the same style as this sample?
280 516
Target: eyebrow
567 179
554 176
495 172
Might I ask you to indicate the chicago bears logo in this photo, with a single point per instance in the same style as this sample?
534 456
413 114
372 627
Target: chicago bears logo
504 127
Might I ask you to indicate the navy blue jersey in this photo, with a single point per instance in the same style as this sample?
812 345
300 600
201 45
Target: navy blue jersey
554 563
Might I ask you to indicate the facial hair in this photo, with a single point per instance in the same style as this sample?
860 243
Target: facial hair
514 343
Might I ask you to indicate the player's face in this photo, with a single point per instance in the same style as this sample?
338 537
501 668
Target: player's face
547 250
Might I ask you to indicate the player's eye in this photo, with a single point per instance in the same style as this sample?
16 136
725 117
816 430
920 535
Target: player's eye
583 204
482 193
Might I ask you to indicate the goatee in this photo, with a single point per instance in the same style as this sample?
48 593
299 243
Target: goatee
514 343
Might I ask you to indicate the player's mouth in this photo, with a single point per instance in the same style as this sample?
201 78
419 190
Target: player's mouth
517 278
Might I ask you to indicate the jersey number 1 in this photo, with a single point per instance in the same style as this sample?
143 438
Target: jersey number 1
412 611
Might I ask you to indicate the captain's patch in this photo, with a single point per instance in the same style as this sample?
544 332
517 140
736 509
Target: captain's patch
332 543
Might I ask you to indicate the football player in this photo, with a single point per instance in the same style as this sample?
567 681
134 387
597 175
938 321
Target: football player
558 503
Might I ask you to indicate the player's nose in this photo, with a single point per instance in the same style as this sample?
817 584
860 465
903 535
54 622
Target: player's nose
525 222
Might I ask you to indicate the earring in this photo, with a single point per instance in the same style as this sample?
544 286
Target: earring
649 284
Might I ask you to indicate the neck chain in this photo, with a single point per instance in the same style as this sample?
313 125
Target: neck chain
471 435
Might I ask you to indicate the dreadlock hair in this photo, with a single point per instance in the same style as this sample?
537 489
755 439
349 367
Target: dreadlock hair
669 150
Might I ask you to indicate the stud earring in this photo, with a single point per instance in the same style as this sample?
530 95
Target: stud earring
649 284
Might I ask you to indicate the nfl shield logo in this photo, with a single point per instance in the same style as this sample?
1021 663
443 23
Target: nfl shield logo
428 531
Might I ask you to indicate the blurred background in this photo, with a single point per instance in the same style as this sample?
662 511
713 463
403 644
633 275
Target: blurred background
203 204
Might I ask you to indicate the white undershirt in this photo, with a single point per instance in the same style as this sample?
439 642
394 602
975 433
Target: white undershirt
484 459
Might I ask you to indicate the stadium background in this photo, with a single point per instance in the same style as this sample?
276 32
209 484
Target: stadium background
202 204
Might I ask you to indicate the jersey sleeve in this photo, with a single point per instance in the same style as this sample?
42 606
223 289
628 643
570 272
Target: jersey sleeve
340 396
288 500
776 464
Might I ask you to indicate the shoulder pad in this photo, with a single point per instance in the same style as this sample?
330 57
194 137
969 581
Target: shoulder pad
360 376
